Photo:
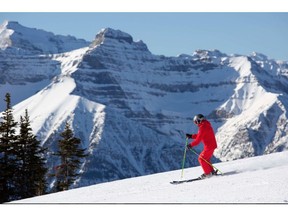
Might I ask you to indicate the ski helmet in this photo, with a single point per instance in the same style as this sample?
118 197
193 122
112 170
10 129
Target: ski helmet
198 118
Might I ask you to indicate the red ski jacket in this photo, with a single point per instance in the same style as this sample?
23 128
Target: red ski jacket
206 135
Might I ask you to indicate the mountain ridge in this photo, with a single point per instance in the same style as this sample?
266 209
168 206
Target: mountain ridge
18 38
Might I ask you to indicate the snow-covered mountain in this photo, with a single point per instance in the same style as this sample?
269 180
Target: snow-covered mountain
16 38
131 108
261 179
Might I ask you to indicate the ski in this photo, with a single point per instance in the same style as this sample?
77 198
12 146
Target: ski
191 180
185 181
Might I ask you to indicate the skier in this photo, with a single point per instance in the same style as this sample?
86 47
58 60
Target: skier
207 137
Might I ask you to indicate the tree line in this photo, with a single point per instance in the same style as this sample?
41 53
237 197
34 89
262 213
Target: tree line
23 167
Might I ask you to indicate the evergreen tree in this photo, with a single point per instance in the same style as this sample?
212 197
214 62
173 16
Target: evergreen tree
8 167
70 155
31 162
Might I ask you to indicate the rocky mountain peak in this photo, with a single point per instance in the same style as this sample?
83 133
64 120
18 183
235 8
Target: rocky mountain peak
259 56
212 56
5 34
27 40
109 33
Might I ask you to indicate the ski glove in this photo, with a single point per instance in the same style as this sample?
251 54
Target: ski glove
189 136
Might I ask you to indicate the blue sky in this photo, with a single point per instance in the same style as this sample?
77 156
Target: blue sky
174 33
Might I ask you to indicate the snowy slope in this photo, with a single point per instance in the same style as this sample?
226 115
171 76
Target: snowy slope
261 179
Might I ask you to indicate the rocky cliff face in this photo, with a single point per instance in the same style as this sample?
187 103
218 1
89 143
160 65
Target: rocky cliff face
132 109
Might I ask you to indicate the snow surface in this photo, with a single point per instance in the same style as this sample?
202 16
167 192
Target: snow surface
261 179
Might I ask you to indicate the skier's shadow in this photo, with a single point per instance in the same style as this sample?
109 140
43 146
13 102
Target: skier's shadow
230 173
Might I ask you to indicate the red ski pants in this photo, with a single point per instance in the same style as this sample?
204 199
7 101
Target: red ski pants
205 157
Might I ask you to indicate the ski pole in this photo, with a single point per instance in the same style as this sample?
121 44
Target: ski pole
205 160
184 158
